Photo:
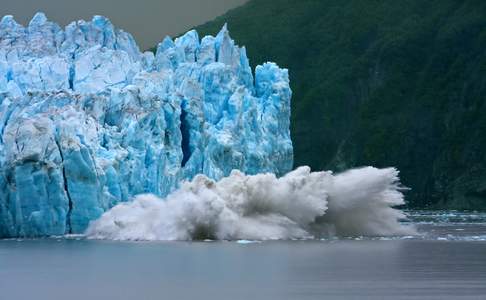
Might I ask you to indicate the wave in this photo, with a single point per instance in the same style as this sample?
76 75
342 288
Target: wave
299 205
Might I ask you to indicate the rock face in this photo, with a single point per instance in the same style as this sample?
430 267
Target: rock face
88 121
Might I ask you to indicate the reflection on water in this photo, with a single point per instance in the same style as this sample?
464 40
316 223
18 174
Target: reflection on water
445 262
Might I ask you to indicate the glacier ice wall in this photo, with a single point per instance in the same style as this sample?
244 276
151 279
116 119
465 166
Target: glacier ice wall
87 120
299 205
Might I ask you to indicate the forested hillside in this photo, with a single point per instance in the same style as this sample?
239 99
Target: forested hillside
383 83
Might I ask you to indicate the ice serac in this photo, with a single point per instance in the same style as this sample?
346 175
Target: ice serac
87 120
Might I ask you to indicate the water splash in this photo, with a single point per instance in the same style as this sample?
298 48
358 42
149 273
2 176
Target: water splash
299 205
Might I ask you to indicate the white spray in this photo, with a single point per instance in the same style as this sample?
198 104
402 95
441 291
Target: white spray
299 205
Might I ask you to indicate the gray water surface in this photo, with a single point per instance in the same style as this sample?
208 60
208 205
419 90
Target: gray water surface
444 263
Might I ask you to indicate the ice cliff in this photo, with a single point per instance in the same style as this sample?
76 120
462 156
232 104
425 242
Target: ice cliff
88 121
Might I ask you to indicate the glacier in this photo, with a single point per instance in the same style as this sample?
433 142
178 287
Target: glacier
88 121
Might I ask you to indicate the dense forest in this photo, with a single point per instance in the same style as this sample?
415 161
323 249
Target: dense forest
382 83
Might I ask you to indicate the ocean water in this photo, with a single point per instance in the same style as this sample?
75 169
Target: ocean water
446 261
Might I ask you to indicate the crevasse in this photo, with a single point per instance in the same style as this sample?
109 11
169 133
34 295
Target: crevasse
87 120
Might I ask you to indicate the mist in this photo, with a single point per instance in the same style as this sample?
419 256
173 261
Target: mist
300 205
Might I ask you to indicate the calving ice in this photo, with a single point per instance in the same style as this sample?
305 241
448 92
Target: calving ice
299 205
88 121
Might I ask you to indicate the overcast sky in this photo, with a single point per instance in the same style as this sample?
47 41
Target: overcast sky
147 20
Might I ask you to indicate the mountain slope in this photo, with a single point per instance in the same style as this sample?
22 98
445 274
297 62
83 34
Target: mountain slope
383 83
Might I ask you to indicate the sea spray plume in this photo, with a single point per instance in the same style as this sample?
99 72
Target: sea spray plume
361 202
299 205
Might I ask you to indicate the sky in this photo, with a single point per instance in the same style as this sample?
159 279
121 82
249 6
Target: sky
149 21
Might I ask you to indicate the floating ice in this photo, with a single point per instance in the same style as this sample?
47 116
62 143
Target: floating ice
299 205
247 242
88 121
